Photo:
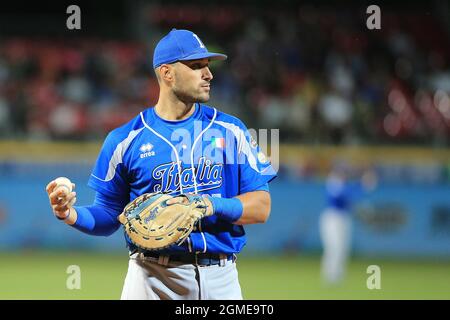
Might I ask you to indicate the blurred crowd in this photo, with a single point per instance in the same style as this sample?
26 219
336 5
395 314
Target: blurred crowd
79 90
319 75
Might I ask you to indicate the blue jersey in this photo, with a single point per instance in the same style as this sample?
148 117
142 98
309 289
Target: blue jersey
340 193
208 153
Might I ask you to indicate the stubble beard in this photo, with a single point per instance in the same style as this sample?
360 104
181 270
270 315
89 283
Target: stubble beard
189 97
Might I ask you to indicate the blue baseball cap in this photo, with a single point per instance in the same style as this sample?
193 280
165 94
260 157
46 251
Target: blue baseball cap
180 45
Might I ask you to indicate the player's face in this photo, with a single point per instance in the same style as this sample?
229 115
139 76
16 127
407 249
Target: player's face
192 80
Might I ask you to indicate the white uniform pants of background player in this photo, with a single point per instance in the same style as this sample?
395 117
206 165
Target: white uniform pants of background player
335 233
148 280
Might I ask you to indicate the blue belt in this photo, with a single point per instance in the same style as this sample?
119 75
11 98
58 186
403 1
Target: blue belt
200 259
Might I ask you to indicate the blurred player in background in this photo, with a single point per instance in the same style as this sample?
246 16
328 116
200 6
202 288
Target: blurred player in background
160 150
335 221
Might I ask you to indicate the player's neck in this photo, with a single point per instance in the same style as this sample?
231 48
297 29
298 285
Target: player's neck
174 111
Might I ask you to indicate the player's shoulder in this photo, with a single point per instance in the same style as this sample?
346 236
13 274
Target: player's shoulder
222 117
126 131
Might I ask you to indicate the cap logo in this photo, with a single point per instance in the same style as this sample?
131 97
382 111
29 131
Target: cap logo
199 41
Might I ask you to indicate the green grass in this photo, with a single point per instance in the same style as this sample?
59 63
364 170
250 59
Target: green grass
299 278
42 275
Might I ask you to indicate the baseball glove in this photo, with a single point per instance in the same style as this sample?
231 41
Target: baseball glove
153 224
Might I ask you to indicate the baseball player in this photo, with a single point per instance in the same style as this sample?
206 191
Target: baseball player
335 221
179 146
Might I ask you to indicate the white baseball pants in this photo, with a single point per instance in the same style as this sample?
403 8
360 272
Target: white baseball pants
148 280
335 233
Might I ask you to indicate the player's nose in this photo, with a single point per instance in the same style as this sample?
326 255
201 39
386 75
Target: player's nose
207 74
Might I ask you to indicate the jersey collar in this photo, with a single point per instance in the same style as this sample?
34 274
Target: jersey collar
154 118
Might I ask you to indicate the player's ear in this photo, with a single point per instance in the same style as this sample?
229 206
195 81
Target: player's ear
166 72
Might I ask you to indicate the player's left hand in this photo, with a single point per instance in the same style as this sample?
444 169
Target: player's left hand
184 200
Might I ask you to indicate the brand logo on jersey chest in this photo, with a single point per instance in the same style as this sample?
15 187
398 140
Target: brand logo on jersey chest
146 150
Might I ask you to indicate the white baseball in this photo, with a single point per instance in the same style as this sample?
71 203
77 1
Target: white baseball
63 182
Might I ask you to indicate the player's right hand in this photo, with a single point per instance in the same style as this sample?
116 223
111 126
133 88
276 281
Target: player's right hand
60 200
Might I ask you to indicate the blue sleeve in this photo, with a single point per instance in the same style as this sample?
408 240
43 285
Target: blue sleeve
355 190
255 168
99 219
264 187
110 175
